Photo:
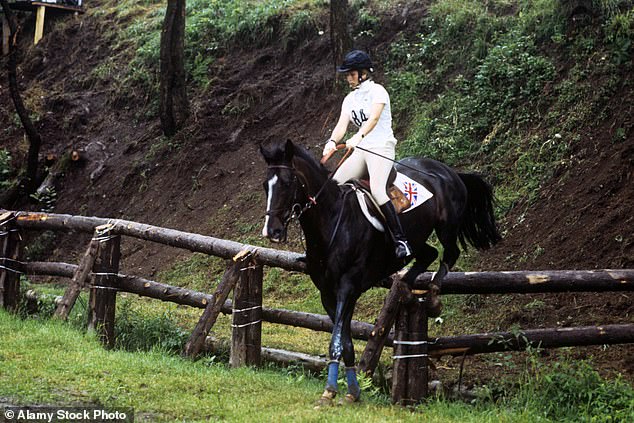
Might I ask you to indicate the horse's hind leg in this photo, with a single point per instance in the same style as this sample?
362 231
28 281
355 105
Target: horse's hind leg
425 255
449 240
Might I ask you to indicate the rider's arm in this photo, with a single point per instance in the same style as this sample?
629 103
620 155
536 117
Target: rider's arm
342 126
375 113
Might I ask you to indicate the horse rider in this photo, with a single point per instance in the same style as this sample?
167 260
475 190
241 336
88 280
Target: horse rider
368 107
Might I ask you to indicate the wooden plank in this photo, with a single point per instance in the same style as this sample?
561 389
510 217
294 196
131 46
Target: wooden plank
196 340
39 24
6 32
103 294
78 282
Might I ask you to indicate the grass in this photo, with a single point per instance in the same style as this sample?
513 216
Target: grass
73 369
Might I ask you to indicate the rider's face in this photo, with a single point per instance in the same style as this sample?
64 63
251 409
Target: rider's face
353 78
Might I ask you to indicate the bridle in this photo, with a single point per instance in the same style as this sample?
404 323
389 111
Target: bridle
297 210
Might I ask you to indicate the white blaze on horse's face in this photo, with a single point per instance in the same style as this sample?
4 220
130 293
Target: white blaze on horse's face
269 199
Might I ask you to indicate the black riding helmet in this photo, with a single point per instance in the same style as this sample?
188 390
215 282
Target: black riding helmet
356 60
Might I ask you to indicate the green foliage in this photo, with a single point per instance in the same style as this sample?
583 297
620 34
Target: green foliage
138 330
6 170
46 199
575 392
619 33
483 85
198 271
212 28
509 82
298 27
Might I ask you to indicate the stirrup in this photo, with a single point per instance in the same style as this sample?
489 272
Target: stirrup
403 249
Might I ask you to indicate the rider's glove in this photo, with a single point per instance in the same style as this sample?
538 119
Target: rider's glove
330 146
354 140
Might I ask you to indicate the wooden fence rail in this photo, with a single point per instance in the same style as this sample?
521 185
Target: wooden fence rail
407 310
171 237
450 345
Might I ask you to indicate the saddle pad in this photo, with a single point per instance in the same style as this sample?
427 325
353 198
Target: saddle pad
415 192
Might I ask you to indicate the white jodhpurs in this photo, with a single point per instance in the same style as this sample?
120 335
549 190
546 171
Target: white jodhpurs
361 163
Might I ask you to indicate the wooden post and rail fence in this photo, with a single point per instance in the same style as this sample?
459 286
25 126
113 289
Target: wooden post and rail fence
404 310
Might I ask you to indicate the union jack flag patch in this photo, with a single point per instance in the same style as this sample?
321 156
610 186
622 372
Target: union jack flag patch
416 193
411 192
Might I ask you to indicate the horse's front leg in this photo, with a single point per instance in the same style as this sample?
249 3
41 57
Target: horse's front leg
354 391
341 344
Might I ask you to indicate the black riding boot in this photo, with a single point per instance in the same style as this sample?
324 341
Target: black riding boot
403 249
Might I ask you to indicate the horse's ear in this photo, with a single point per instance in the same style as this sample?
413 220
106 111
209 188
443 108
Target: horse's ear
289 150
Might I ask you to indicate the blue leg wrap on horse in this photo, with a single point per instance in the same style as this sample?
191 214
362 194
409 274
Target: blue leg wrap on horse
353 384
333 374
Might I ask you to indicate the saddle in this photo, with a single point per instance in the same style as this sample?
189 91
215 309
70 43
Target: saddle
399 200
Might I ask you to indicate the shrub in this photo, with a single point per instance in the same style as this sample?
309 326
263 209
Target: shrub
136 331
576 392
5 169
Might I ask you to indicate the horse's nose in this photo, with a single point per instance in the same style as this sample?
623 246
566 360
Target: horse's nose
276 235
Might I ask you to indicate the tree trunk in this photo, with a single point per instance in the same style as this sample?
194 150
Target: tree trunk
35 141
340 38
174 107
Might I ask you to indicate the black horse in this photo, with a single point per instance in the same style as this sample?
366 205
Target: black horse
346 255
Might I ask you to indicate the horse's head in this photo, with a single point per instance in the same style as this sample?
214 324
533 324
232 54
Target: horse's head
281 189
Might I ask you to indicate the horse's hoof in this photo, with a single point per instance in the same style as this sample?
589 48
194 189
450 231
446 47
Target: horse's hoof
327 399
349 399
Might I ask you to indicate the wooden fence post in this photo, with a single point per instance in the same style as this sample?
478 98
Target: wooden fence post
103 292
410 373
39 24
10 265
246 333
78 282
196 340
384 323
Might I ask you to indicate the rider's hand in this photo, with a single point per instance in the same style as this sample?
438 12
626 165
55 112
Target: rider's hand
330 146
354 140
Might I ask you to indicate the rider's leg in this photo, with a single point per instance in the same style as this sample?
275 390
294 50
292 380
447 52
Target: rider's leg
353 167
379 169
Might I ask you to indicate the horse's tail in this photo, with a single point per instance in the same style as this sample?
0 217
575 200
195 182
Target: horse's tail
478 226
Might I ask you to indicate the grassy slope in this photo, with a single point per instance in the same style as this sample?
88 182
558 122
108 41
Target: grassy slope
50 363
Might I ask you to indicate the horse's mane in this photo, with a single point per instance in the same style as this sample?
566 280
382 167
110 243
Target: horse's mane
305 155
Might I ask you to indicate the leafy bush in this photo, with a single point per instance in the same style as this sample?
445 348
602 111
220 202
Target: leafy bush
138 331
619 33
575 392
5 169
510 80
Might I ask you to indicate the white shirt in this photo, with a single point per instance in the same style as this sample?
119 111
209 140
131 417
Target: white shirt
357 106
